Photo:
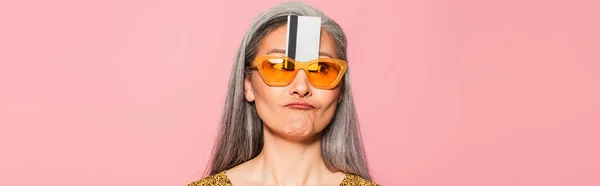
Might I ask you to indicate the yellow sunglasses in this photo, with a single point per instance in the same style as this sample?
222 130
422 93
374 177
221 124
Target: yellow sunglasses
322 73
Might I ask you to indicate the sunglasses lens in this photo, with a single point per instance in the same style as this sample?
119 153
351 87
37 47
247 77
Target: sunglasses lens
277 71
323 74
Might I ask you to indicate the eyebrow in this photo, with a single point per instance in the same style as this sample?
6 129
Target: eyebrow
282 51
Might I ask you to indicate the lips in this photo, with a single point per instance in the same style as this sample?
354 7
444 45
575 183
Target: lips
300 106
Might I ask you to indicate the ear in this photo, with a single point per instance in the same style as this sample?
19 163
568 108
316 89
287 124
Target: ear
248 91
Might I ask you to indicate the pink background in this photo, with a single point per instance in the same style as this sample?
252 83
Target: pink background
460 92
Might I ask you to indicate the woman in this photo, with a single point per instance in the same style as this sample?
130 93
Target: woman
286 122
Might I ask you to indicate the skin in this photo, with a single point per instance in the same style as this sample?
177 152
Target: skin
291 154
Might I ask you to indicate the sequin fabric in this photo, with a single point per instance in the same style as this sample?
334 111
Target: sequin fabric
354 180
221 179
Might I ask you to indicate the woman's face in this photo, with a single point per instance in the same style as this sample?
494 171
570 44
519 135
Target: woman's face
297 111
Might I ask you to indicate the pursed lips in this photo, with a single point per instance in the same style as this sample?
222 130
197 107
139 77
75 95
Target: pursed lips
300 105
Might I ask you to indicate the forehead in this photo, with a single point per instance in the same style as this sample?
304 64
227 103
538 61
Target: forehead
277 39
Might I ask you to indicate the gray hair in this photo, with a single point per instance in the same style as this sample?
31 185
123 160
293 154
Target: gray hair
240 136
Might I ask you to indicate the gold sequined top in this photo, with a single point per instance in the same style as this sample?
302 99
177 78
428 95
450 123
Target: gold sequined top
221 179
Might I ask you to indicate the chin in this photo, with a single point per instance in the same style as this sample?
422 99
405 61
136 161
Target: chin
299 131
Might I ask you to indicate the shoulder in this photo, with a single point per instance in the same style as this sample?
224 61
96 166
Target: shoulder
219 179
352 179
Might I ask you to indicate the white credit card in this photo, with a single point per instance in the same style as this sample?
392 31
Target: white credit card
303 37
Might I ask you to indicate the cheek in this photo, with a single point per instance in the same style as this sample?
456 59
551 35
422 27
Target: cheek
325 117
260 89
329 100
265 98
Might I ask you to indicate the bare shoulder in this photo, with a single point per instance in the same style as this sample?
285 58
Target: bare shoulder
219 179
352 179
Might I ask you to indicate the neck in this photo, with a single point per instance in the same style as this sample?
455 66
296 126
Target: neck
287 162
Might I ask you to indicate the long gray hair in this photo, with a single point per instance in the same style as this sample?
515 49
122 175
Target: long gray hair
240 136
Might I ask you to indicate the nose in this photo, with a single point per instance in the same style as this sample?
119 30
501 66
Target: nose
300 86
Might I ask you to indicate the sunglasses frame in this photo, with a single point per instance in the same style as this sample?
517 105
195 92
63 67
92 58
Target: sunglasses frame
300 65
